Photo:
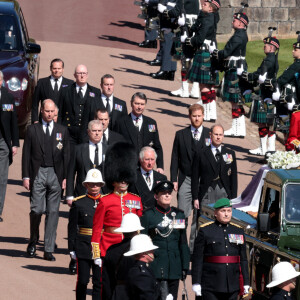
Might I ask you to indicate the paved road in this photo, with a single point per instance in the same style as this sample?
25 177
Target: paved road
104 40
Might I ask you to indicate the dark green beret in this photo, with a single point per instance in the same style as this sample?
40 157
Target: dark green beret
223 202
163 186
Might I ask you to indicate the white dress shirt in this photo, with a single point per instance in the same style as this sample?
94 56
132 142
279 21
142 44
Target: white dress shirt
92 148
150 176
200 129
52 81
103 97
214 149
140 121
51 124
83 89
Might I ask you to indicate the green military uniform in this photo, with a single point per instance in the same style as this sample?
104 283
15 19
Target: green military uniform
167 229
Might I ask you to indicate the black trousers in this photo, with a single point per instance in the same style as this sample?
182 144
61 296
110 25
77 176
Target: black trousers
173 285
83 277
207 295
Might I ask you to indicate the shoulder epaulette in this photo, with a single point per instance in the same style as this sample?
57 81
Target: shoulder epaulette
77 198
236 225
105 195
134 194
206 224
296 111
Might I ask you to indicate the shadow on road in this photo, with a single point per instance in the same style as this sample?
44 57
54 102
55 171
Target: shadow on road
64 214
129 57
12 253
116 39
47 269
128 24
168 112
14 182
147 88
137 72
174 102
24 194
13 240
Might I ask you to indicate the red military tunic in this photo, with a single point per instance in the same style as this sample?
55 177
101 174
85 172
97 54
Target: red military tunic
294 133
109 213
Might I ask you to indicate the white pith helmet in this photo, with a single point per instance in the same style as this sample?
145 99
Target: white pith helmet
282 272
94 175
139 244
130 223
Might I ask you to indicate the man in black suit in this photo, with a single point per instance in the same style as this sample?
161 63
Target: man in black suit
116 107
186 143
49 87
45 159
215 166
140 130
72 103
9 138
147 178
87 156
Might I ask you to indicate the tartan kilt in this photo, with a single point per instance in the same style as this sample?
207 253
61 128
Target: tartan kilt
229 76
197 73
258 115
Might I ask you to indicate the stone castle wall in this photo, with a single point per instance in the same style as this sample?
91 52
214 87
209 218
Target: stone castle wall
283 14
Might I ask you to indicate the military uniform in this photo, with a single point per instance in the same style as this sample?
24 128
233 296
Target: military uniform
218 259
108 216
115 271
293 140
142 283
167 231
79 240
233 56
280 294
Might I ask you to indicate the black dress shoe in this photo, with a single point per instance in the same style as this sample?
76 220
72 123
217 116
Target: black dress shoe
159 75
148 44
73 266
171 75
31 249
155 62
49 256
1 219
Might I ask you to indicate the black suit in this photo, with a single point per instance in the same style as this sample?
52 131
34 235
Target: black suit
45 179
71 108
141 188
44 90
149 135
114 137
9 137
79 165
183 152
205 168
118 110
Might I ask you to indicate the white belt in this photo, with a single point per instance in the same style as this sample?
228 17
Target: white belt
191 18
172 4
207 42
234 58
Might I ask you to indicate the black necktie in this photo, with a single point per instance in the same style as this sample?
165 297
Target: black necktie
96 160
107 105
80 93
104 139
218 155
137 124
47 130
55 87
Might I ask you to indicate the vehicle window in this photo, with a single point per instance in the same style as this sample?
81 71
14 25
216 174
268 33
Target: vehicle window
292 203
272 208
9 33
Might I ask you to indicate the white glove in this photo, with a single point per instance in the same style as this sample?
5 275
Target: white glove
240 70
212 47
290 105
197 289
262 78
161 8
169 297
183 37
246 289
146 1
247 92
98 262
73 254
181 20
276 95
268 100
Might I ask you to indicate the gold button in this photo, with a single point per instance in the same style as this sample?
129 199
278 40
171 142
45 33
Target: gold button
226 246
68 119
79 124
69 125
66 112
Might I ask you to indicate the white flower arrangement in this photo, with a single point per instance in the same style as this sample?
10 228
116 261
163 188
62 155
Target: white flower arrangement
284 160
